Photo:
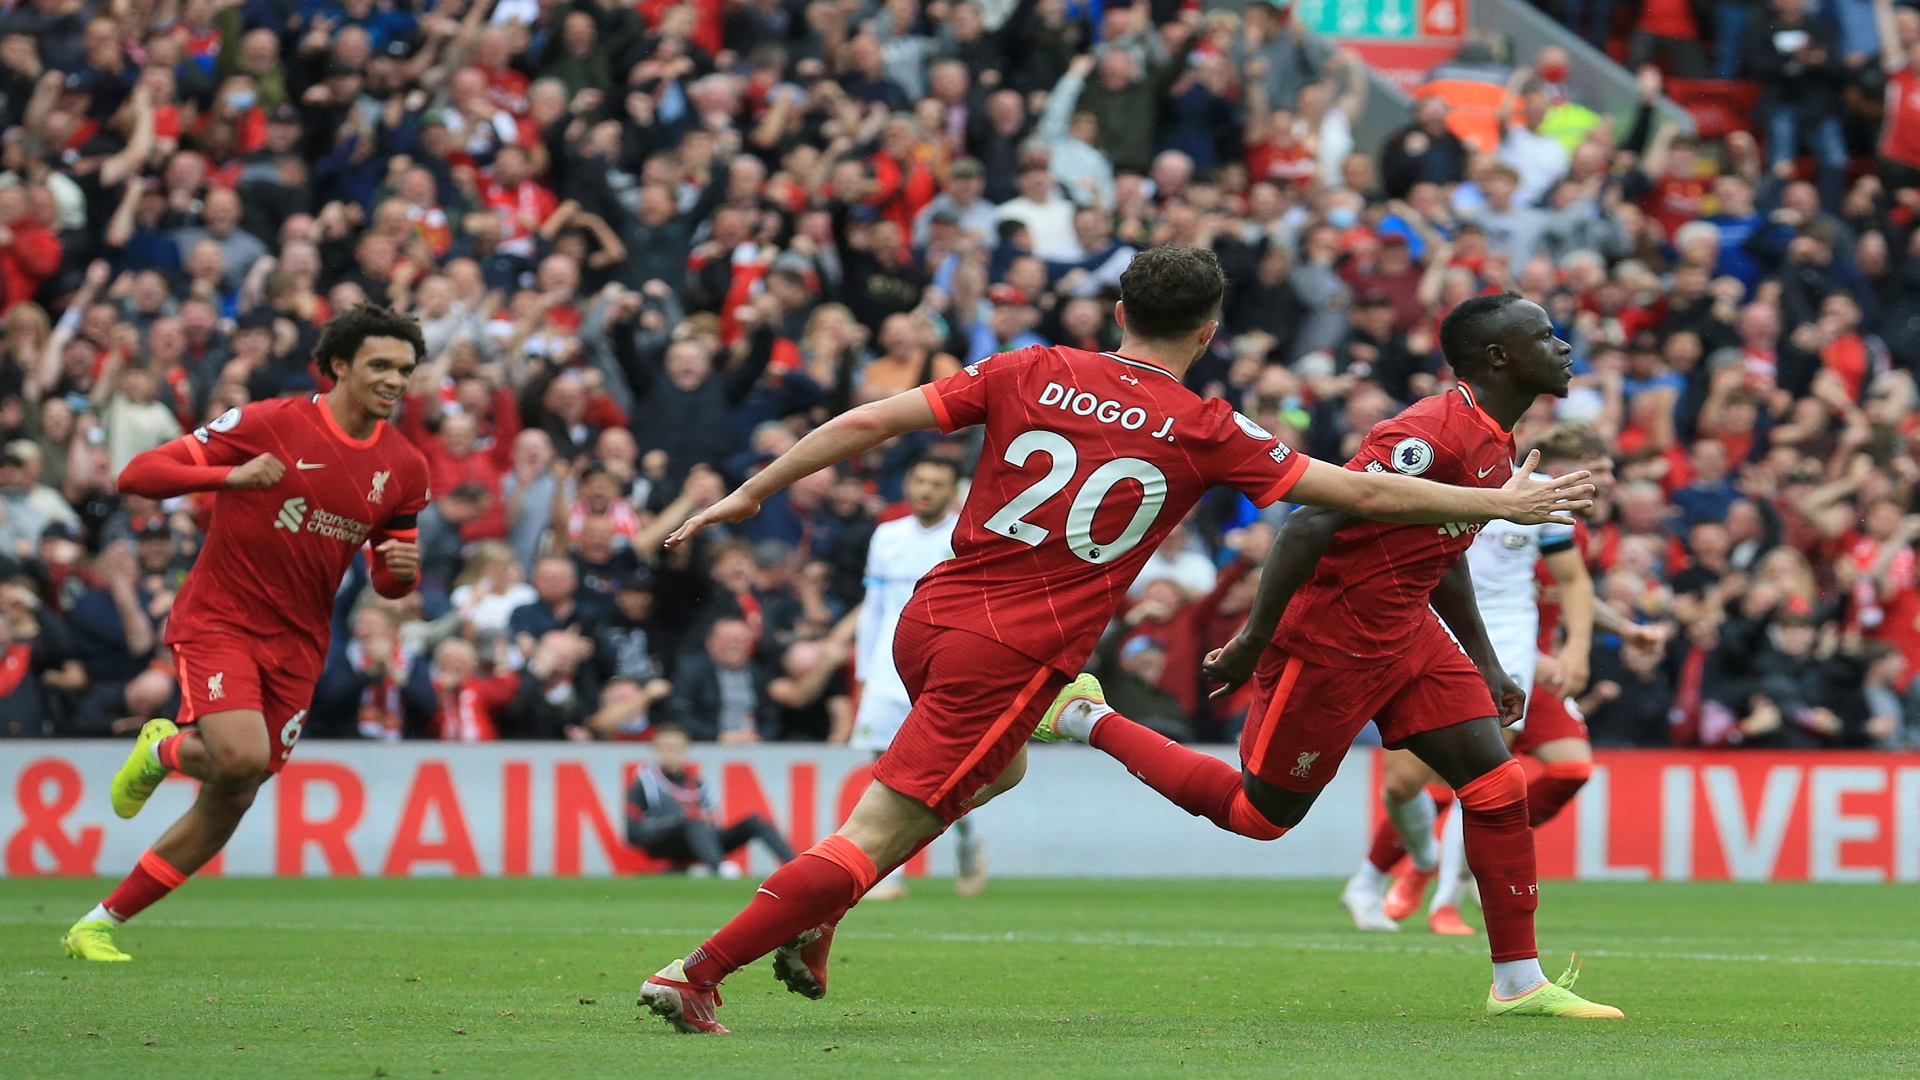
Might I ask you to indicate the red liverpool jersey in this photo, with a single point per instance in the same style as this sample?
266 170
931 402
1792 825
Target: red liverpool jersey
1368 596
274 556
1090 459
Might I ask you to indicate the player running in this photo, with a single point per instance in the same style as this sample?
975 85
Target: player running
1088 462
1505 561
305 482
900 554
1338 636
1524 591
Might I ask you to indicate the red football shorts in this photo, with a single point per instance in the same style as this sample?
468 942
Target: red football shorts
975 704
1304 716
1549 717
271 676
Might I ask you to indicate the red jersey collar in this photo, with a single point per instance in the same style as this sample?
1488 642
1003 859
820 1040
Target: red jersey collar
333 425
1131 362
1473 404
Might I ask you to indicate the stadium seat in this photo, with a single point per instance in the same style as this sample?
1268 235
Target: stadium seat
1718 106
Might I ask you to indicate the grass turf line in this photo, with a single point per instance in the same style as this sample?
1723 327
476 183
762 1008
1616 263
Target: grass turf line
529 979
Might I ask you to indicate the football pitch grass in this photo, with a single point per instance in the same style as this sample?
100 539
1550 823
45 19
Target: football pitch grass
533 979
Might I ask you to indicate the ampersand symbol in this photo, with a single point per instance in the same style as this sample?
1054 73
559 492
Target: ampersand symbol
43 824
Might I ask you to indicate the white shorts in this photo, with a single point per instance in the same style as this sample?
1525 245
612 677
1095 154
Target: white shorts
1516 644
1518 650
882 710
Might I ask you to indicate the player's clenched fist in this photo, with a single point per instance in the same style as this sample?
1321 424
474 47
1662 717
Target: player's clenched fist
263 471
401 557
1232 664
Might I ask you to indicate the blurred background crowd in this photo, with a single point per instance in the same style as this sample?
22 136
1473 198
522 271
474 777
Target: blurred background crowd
652 245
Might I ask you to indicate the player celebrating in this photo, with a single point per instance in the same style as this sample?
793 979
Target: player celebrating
305 482
1338 637
1505 561
1525 627
1088 462
900 554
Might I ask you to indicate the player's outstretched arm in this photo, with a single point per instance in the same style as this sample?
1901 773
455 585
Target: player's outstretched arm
1304 538
1388 496
1577 603
847 435
169 471
1453 601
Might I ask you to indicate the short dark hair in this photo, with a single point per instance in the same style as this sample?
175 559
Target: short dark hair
1464 333
1171 290
670 729
939 463
343 335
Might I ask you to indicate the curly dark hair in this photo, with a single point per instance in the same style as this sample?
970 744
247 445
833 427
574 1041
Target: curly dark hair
1468 329
342 336
1171 291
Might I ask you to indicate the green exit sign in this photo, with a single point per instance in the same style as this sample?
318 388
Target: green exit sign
1388 20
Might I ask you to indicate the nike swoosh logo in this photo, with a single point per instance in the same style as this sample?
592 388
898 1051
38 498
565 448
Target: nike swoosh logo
1483 472
321 465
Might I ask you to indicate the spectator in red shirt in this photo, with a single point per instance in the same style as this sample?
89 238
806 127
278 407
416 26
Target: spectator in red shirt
1900 131
522 203
1395 275
455 458
466 702
1668 29
29 252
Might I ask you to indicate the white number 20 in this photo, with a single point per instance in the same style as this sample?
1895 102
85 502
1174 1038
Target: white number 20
1011 521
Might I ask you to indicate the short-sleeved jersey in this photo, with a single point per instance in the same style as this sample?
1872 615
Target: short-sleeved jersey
1505 559
1368 596
1089 460
274 556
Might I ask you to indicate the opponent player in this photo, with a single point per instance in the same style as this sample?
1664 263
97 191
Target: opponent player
900 554
1089 460
304 483
1340 636
1505 561
1552 731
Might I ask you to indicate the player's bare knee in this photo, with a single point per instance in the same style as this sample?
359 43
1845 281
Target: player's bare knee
228 800
237 769
1563 750
1402 787
1280 807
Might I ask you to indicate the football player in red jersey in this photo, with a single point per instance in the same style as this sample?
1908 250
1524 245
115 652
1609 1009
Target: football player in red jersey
1552 731
1340 635
305 483
1089 460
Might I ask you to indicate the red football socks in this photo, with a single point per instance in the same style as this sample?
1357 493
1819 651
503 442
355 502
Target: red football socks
168 750
1554 788
1387 850
1200 784
825 880
151 879
1500 853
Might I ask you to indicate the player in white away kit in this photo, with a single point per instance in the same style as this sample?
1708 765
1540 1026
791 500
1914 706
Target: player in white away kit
900 554
1506 562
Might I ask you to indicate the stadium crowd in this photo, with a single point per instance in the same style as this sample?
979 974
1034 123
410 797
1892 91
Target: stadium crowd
651 245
